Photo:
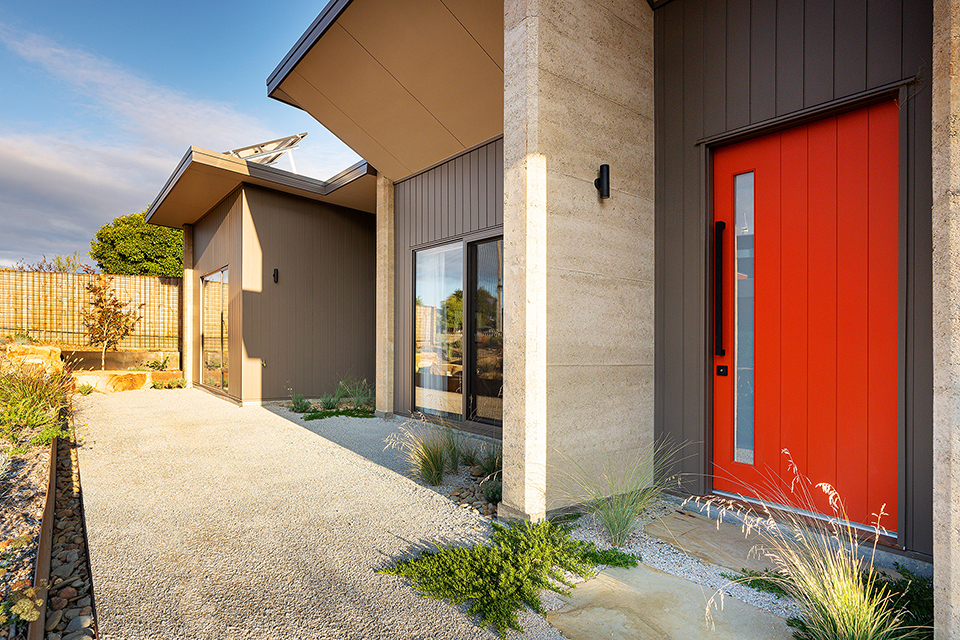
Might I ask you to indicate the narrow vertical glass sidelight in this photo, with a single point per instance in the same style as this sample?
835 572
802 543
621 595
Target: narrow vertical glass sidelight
744 233
438 335
486 305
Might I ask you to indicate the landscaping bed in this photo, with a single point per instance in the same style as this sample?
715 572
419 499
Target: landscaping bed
23 488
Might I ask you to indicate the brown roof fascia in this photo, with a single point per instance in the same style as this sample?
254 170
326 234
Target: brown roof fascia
274 177
328 15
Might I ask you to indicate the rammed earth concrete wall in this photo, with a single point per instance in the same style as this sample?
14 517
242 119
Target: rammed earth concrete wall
386 287
946 318
578 370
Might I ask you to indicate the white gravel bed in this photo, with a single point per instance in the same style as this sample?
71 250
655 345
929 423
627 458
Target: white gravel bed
662 555
207 520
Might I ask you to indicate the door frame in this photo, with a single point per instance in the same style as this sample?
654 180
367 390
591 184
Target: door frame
899 91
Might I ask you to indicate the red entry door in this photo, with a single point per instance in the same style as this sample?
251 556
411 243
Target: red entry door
809 276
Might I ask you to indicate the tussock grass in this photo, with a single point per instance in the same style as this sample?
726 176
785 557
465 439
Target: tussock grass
617 492
841 595
33 407
424 449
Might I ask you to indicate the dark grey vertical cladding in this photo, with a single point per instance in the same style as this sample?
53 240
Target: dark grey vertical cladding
884 25
461 196
850 50
763 61
694 376
786 55
738 64
818 42
789 79
919 359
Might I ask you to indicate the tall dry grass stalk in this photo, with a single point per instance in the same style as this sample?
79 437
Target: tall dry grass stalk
621 488
423 446
818 562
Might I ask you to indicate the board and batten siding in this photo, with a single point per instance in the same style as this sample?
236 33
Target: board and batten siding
315 326
216 244
448 202
722 65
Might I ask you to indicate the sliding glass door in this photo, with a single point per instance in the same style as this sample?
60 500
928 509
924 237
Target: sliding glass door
213 333
454 378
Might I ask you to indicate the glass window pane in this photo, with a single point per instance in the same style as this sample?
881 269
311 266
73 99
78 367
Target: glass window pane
213 330
743 434
438 337
486 398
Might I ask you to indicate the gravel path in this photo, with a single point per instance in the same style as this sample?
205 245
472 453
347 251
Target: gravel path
206 520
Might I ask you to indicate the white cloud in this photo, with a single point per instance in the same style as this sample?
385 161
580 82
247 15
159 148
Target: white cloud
57 187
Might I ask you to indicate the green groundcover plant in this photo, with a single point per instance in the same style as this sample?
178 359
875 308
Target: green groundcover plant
350 412
508 572
33 408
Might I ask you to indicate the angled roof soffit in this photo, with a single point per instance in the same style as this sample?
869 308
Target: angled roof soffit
203 178
404 84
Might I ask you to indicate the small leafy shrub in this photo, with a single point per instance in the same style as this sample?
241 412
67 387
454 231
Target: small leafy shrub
20 337
176 383
159 365
610 557
348 412
329 402
840 594
617 492
500 577
22 604
299 404
86 388
492 490
422 447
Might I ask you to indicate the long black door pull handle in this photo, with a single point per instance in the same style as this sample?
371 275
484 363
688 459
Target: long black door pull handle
718 288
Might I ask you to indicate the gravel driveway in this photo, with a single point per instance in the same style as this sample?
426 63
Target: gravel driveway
207 520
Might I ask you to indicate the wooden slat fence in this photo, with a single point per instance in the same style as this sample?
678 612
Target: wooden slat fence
49 307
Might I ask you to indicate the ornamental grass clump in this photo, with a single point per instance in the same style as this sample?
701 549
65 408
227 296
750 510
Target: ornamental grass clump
33 407
825 566
500 577
620 488
423 447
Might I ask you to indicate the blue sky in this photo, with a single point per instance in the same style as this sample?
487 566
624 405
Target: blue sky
100 100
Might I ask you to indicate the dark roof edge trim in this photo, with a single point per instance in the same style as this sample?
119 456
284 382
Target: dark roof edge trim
314 32
348 175
171 181
656 4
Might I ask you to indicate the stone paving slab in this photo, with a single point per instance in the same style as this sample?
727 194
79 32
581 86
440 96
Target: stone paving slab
701 537
643 603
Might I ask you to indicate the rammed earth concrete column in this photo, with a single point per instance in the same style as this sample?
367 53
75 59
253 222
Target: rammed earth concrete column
386 278
946 318
187 320
578 317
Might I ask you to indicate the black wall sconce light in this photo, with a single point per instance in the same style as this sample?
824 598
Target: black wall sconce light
276 275
603 182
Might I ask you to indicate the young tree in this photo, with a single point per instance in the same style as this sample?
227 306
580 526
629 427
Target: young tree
131 247
108 321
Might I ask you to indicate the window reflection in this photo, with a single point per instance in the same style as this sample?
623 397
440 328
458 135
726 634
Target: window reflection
438 338
743 435
486 269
